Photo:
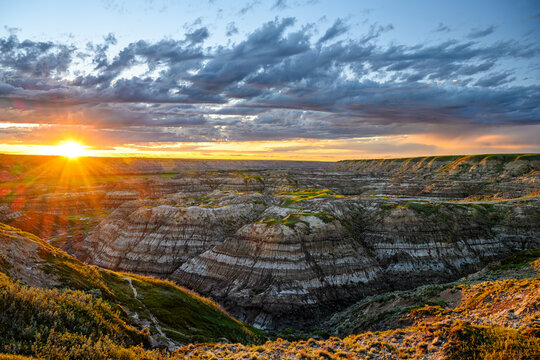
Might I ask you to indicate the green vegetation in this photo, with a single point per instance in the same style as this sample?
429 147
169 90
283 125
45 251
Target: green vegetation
423 207
206 201
490 342
186 316
292 197
85 222
91 314
32 318
517 260
8 197
292 219
388 207
253 177
448 211
16 169
384 315
167 175
203 200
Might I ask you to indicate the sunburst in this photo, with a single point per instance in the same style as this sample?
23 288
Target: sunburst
70 149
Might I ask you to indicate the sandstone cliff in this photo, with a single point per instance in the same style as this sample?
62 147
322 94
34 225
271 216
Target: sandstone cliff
505 175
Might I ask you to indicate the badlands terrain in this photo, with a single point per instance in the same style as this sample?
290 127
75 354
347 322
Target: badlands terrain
423 257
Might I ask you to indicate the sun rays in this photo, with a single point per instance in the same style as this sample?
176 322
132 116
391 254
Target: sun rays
55 194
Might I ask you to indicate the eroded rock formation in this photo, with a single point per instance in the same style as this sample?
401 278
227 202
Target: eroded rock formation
288 247
156 237
298 268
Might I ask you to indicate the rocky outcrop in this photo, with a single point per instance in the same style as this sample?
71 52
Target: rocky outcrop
276 272
153 237
22 256
300 267
449 177
492 313
292 258
393 310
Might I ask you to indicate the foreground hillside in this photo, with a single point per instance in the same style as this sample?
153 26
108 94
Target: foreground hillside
50 301
70 310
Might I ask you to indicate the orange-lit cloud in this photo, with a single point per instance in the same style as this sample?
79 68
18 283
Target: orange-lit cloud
314 149
279 92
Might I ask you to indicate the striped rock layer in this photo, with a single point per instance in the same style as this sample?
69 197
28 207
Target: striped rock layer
152 238
276 253
278 266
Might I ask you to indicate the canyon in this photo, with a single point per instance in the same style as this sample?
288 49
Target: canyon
299 248
288 247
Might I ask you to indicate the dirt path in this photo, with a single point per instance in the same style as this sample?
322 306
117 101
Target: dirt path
170 344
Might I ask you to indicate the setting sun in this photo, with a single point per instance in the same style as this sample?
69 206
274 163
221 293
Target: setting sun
70 149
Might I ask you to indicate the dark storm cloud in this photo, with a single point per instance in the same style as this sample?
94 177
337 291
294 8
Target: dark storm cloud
478 33
262 48
39 59
279 82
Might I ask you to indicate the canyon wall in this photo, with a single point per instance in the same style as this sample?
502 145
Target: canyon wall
289 247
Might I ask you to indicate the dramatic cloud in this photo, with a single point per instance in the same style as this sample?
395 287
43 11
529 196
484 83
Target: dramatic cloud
279 83
198 36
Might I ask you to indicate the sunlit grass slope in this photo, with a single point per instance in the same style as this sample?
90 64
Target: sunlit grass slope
83 309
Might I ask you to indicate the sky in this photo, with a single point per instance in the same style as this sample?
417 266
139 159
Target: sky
281 79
